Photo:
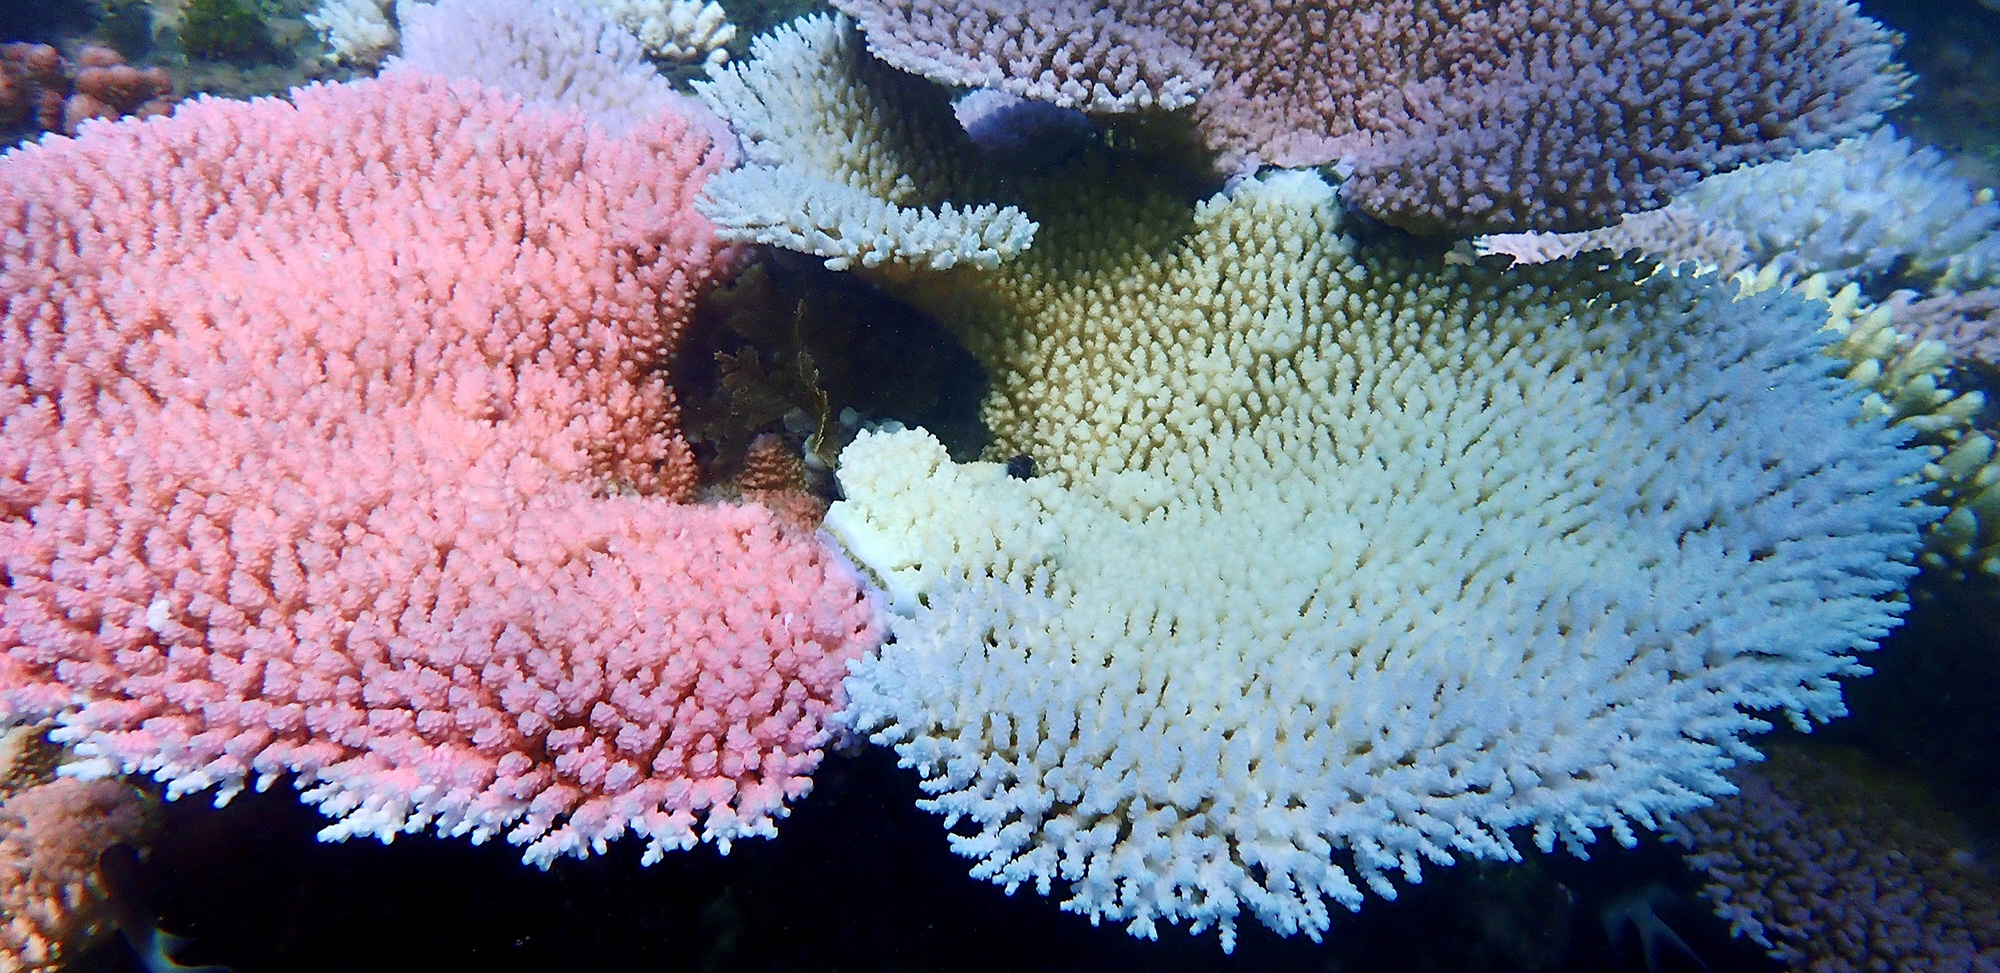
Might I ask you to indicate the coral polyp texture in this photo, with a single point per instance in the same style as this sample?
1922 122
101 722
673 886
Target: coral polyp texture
339 445
562 53
1458 116
1071 53
1340 562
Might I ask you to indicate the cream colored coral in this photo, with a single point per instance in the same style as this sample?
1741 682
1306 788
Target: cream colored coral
675 30
1348 561
356 32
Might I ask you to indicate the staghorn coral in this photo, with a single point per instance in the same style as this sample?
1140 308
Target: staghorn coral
1345 562
1459 116
376 479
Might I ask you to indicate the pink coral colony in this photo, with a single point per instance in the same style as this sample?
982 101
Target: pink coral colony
337 444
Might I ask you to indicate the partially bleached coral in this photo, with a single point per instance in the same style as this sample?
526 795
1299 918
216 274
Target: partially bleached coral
1343 562
564 53
844 160
361 32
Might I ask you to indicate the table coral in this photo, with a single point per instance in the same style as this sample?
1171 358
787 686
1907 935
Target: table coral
1457 116
1338 562
339 445
848 161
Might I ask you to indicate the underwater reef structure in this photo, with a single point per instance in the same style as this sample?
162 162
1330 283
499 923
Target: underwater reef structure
341 443
1873 209
338 447
1337 560
566 55
1459 116
843 159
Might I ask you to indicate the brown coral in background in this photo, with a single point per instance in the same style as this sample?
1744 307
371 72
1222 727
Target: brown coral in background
774 475
43 91
52 830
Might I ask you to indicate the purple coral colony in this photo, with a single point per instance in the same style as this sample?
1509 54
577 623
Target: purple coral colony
1477 485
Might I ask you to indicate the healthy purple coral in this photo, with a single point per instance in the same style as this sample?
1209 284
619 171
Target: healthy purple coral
1462 115
1832 869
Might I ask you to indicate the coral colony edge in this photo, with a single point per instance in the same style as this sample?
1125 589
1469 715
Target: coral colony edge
1254 476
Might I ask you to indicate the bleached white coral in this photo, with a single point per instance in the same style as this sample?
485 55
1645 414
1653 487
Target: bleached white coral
355 31
1349 562
675 30
851 228
839 154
